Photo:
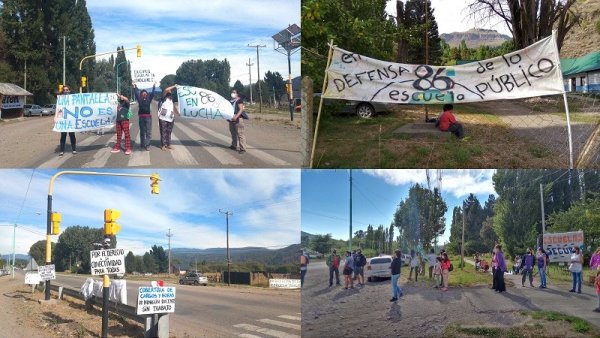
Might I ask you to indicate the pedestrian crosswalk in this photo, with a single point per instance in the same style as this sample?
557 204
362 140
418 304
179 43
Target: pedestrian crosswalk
194 145
283 326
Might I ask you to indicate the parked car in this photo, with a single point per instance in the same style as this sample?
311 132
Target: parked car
378 267
49 109
32 109
193 278
406 259
364 109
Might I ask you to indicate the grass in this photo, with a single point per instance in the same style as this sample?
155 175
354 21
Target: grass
577 324
467 276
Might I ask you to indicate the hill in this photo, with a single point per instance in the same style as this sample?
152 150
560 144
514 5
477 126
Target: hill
583 39
287 255
475 38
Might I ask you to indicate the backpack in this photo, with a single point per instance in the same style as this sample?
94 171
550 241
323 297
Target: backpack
363 260
451 267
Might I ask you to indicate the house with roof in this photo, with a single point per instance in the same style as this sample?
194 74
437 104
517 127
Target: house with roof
582 74
12 98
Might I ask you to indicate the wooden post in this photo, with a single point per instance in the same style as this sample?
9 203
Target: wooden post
307 120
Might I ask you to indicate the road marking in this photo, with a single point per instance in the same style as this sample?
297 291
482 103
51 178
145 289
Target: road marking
100 157
139 157
247 335
269 332
279 323
181 154
255 152
223 155
58 161
290 317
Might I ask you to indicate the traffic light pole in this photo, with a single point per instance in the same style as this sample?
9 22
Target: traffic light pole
138 48
105 296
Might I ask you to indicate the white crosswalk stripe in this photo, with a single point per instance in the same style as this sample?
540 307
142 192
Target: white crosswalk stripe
223 155
57 161
139 157
280 323
290 317
271 327
268 332
180 153
247 335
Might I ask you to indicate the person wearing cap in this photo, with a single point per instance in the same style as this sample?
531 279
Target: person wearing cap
333 262
396 267
63 135
359 267
303 266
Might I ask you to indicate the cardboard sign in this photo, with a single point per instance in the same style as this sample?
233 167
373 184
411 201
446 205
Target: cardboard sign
107 262
142 75
85 112
560 246
47 272
200 103
155 300
32 278
284 283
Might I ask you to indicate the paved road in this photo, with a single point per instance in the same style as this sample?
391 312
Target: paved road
272 142
223 312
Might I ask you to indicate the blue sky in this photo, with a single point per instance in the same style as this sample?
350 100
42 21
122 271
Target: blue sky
376 194
265 205
176 31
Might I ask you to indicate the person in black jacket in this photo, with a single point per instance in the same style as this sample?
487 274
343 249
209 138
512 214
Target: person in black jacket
144 99
396 266
359 267
63 135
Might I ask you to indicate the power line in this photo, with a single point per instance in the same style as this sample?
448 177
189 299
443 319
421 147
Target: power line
258 71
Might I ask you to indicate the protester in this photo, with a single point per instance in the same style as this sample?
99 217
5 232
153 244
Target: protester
236 126
63 135
122 125
396 267
447 122
595 260
494 267
431 260
542 263
359 267
517 264
421 264
348 268
333 262
303 266
446 266
166 118
576 267
499 285
477 261
144 100
597 284
441 255
527 268
437 272
414 265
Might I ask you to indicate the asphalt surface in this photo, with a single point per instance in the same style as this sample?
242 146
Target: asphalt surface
272 140
215 311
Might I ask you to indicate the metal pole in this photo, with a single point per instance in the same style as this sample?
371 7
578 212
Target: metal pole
227 213
291 98
64 58
169 235
13 257
249 64
105 295
48 239
25 80
462 245
258 71
350 241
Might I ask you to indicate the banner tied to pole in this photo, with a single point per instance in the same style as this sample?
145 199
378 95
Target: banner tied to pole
199 103
529 72
85 112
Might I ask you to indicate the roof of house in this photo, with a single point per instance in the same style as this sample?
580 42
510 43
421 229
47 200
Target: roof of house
10 89
582 64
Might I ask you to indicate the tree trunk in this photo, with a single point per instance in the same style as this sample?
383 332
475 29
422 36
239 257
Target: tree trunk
402 53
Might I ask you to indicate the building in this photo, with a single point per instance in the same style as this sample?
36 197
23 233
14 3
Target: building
582 74
13 100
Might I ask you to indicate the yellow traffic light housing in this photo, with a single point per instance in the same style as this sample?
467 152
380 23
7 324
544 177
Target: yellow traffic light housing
55 219
84 81
111 227
60 88
154 178
139 51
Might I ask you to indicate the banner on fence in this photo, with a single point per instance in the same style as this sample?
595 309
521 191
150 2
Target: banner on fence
85 112
47 272
12 102
199 103
529 72
284 283
107 262
142 75
155 300
560 246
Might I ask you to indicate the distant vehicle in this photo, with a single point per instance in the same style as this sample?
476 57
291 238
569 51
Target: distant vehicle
49 109
406 259
193 278
148 274
32 109
378 267
363 109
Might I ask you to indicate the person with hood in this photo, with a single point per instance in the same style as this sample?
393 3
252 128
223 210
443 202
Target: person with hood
145 117
122 125
527 264
499 285
166 118
333 262
396 267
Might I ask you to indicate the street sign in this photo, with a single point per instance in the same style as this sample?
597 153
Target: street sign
32 278
156 300
107 262
47 272
560 246
284 283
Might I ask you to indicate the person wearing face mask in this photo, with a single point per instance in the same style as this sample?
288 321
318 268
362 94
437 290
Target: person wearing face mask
236 127
63 135
166 118
144 99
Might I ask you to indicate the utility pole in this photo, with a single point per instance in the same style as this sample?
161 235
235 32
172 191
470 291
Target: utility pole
227 214
169 235
25 80
541 243
249 64
64 58
350 241
258 71
462 245
426 48
14 262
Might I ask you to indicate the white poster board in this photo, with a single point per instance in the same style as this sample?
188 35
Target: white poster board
12 102
156 300
85 112
560 246
284 283
47 272
200 103
142 75
32 278
107 262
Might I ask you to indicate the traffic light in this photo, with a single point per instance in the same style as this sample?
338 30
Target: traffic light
111 227
139 51
154 178
60 88
55 219
84 81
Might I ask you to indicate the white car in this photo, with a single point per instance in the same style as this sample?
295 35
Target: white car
378 267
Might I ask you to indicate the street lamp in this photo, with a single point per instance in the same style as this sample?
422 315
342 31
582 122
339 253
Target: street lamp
117 73
288 43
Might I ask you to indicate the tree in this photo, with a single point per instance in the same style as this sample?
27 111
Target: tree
160 258
37 250
150 263
123 76
138 264
488 235
416 24
211 74
74 245
130 262
528 21
274 85
168 81
321 243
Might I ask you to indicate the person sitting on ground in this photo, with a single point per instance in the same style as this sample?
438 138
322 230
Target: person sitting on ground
447 122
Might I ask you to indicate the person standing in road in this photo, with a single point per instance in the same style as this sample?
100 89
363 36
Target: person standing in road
359 267
576 267
542 263
348 268
500 270
431 260
414 265
166 118
144 100
303 266
396 267
122 125
63 135
437 272
595 260
445 266
333 262
236 127
527 268
597 284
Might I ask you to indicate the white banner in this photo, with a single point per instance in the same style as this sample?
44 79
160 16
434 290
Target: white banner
142 75
199 103
47 272
560 246
533 71
107 262
155 300
85 112
32 278
284 283
11 102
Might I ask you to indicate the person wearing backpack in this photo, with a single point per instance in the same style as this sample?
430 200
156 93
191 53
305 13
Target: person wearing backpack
359 267
303 266
333 262
166 118
122 124
236 127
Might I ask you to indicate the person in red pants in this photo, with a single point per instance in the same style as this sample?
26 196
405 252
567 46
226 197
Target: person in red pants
122 125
